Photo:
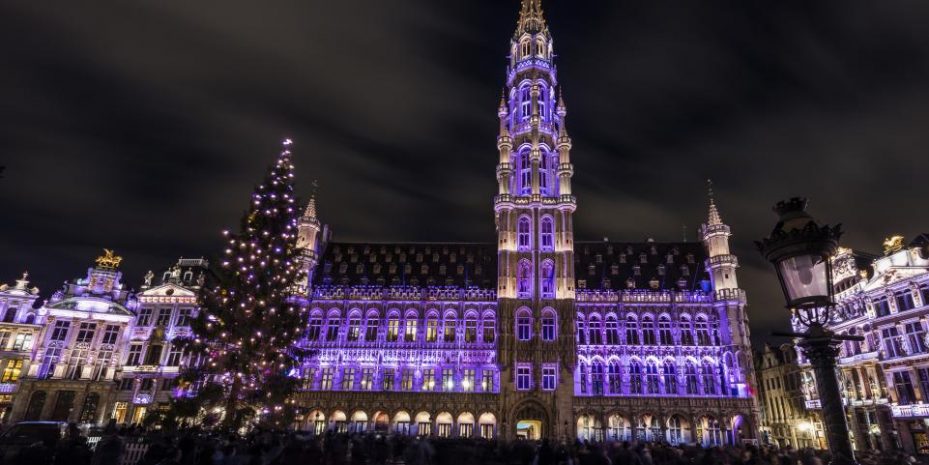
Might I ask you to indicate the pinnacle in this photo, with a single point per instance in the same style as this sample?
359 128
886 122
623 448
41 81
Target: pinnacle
531 17
713 218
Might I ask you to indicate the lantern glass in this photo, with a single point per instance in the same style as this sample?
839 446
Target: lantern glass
805 278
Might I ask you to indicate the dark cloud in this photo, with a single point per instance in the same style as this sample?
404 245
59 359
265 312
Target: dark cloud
143 126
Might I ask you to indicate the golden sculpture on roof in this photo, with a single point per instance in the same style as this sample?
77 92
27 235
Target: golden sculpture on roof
109 260
893 244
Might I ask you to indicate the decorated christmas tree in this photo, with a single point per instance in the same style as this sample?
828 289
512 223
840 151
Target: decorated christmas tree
246 331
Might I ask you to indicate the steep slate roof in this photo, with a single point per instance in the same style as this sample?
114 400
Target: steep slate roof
598 265
408 264
649 265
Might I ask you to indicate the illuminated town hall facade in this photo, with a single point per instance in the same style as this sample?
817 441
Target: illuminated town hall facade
535 335
532 335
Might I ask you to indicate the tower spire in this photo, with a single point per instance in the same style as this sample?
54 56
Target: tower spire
531 17
713 218
310 211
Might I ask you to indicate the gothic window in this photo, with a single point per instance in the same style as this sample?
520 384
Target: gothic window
612 330
547 235
316 324
524 234
332 328
596 378
540 48
581 327
524 280
410 328
354 328
393 328
670 378
648 330
467 380
432 328
348 379
490 328
703 331
470 329
665 337
371 325
449 328
524 48
690 379
687 331
523 325
632 331
635 377
709 378
543 104
582 373
548 279
525 103
548 325
652 378
594 330
615 378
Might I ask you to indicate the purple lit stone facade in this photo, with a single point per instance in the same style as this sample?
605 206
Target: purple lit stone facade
534 335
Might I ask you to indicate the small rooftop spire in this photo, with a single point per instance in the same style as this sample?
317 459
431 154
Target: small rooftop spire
311 205
713 217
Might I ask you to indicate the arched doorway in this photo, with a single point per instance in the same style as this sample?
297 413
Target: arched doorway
619 428
402 423
743 430
466 425
381 422
337 422
359 422
531 421
488 423
678 430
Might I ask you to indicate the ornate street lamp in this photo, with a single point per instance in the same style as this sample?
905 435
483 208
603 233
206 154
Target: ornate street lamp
801 252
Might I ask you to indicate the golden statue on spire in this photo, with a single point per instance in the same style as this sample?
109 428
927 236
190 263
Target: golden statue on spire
109 260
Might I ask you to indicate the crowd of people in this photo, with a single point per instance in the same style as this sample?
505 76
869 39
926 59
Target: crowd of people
195 447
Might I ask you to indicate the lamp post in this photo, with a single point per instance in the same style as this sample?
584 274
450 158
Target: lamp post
801 252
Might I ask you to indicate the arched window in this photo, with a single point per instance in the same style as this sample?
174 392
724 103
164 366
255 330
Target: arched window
524 280
548 279
703 332
316 325
582 373
615 378
595 330
449 328
635 377
652 378
549 329
632 331
524 48
410 327
371 326
581 328
332 328
525 174
354 327
612 330
547 234
665 337
471 329
540 48
490 328
393 327
687 331
524 233
432 328
523 325
670 378
596 378
648 330
543 105
690 379
708 373
525 103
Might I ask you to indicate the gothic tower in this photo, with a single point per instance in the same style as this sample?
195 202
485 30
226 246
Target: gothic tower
534 209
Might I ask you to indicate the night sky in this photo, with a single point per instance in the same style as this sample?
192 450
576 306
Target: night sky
143 126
